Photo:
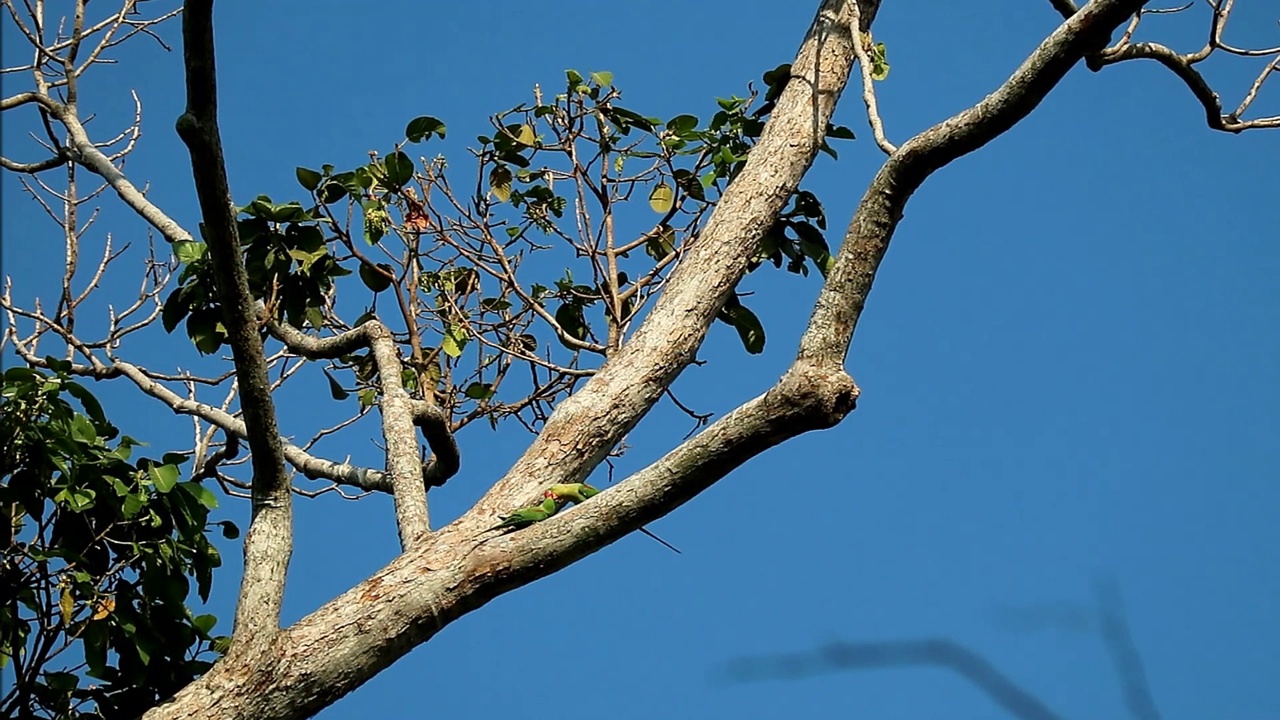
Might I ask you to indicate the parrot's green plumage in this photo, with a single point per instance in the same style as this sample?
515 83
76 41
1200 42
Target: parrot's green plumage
524 517
553 501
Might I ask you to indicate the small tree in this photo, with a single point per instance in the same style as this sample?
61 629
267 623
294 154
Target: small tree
434 302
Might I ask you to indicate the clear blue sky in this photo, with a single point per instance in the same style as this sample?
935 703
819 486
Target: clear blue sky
1068 368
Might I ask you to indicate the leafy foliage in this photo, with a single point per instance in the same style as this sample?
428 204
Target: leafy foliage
557 174
99 557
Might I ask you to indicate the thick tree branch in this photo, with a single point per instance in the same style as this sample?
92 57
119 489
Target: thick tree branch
583 429
269 541
843 296
354 636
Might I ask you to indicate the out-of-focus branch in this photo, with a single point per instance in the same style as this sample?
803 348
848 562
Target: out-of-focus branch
1114 627
269 541
939 652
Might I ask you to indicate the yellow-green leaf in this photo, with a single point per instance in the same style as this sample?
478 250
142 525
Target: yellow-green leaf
662 198
500 182
66 604
455 338
879 62
525 135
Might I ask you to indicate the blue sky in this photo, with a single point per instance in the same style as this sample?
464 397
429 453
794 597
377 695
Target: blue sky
1068 369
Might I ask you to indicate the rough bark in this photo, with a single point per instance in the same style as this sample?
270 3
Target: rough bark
353 637
268 543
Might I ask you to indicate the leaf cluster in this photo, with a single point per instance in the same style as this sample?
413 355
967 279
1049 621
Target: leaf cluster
474 274
99 555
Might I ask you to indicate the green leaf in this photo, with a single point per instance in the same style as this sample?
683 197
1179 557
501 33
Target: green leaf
367 397
331 192
202 328
682 125
61 681
662 244
90 403
374 280
174 458
662 198
525 135
163 477
399 170
308 179
494 304
133 504
229 529
200 493
602 78
500 182
83 430
571 319
879 62
479 391
422 128
204 623
335 388
188 251
840 132
78 499
454 340
746 323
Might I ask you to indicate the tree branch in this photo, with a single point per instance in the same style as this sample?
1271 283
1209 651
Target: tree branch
843 296
940 652
1199 87
311 466
583 429
269 541
869 92
399 415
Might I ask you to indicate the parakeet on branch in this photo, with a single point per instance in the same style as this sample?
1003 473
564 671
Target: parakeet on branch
524 517
555 499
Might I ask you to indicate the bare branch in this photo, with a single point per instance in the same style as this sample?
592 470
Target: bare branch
1199 87
869 89
32 168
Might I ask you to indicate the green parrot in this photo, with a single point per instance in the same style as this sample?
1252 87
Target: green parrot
554 500
524 517
572 492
